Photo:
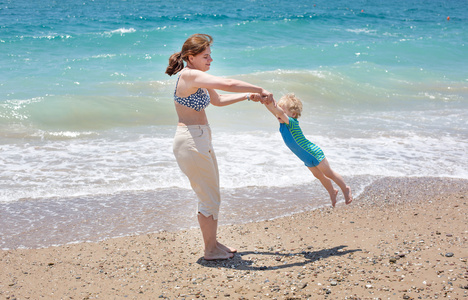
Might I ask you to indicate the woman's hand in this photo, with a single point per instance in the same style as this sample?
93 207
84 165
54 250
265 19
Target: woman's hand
267 97
262 99
255 97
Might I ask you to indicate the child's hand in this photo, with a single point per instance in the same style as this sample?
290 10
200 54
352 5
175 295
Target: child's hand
262 99
267 97
268 101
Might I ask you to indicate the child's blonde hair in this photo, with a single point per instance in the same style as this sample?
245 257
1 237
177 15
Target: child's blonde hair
293 104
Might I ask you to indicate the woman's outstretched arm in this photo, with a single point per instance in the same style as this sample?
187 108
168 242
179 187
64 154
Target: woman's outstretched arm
226 99
200 79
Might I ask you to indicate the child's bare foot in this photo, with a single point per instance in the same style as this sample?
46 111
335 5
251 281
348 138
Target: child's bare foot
333 197
347 195
226 248
217 254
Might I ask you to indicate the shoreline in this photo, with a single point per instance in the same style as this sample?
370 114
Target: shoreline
402 238
50 222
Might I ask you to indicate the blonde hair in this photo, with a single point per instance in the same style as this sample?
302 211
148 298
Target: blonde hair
292 103
195 44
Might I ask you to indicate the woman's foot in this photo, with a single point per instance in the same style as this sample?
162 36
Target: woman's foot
217 254
226 248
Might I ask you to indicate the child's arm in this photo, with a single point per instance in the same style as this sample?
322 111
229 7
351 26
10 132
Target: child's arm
277 111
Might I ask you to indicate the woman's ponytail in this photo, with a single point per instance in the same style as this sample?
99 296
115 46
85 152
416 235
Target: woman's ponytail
176 64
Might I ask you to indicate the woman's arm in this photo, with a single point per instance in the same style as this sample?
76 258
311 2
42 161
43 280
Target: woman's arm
227 99
200 79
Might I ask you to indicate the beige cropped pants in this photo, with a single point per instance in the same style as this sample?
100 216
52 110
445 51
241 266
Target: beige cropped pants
196 158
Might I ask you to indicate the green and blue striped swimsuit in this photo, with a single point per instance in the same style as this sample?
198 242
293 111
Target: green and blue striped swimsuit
293 137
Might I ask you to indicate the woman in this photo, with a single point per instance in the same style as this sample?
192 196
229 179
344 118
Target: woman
194 90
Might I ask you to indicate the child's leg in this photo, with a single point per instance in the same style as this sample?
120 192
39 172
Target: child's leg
324 166
326 183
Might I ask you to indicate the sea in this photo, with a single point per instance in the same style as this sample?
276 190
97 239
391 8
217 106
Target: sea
87 117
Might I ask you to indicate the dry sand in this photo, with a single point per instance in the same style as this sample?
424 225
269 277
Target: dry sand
403 238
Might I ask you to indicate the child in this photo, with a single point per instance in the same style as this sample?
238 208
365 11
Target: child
287 110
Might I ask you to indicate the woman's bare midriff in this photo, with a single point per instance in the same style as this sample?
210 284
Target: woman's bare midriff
188 116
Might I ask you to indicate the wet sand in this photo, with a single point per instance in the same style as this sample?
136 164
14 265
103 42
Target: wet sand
402 238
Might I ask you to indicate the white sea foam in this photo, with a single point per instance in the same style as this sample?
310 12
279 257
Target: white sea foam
143 160
361 30
123 30
53 36
104 56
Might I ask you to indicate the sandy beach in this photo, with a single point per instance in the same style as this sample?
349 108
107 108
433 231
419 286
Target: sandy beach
402 238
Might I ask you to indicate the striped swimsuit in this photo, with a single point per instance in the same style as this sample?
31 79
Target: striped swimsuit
293 137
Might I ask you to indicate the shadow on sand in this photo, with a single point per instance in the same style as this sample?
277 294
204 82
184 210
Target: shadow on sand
277 262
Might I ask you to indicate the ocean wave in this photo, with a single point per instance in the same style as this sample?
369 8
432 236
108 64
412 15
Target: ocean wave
122 31
60 135
139 159
104 56
361 30
124 102
53 36
70 113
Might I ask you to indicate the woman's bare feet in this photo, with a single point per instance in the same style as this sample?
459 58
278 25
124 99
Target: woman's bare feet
226 248
347 195
217 254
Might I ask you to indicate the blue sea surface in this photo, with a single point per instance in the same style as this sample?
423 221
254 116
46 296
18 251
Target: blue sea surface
87 117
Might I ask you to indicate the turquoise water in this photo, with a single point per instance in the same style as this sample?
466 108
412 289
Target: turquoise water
87 119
